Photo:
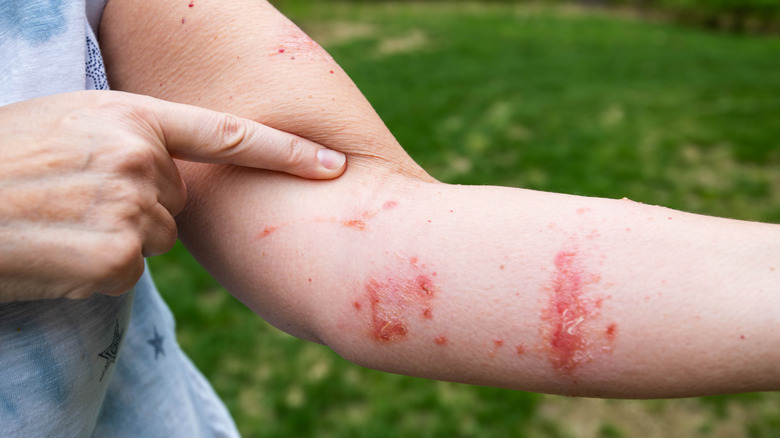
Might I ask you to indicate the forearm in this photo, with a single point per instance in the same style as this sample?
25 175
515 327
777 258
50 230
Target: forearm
547 292
534 291
244 57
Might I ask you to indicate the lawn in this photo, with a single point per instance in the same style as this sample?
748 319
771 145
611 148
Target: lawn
559 99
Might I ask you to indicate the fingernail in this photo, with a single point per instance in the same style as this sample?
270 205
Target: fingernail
331 159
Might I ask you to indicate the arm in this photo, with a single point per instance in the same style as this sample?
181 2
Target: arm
89 186
484 285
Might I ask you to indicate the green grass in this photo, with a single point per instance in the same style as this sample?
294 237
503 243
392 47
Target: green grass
562 100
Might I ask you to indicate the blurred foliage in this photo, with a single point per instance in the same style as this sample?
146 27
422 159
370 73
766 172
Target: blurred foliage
554 98
735 15
754 16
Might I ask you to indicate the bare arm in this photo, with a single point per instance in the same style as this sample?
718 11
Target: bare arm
485 285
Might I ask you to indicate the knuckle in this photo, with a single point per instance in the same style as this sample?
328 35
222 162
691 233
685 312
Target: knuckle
130 202
135 156
172 233
294 150
113 105
117 266
165 237
231 131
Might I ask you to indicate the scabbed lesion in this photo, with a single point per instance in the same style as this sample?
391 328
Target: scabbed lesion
392 303
570 321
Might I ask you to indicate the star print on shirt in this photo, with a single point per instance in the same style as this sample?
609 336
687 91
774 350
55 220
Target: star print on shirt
157 343
110 353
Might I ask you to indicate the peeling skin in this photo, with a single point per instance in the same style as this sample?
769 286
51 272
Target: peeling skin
390 304
569 311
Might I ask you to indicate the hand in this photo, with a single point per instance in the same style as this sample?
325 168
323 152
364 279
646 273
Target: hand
89 187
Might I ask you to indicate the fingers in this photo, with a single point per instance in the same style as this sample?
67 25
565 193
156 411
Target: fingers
159 232
196 134
63 262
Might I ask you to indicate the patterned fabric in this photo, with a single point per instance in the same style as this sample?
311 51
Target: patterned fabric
96 72
104 366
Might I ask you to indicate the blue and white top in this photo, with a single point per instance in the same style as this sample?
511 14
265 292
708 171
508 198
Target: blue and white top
104 366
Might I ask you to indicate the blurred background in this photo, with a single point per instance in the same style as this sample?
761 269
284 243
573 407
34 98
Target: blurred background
672 102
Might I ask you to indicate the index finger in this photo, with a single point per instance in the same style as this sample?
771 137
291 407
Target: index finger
197 134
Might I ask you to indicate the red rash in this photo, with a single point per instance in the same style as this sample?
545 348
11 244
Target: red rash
268 230
568 310
395 301
354 223
293 40
440 340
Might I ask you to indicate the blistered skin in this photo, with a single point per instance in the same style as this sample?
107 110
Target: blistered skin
571 310
393 303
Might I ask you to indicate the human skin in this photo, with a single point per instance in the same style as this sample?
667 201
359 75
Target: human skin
89 186
395 271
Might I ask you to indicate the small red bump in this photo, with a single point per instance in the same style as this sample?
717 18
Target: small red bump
520 349
281 50
331 72
498 342
427 313
357 305
192 4
425 284
440 340
612 330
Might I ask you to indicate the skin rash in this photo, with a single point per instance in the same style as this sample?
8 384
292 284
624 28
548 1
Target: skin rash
571 312
391 304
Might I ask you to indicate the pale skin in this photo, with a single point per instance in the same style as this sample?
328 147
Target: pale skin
89 186
395 271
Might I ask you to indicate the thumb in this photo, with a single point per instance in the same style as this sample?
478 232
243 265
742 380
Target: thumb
196 134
